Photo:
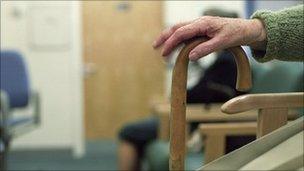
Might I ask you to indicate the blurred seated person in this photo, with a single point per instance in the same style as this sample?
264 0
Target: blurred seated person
215 84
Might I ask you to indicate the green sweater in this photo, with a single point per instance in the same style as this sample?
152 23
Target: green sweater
285 34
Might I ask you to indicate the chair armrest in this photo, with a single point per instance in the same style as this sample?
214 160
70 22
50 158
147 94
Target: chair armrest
31 122
196 113
35 102
4 113
204 113
199 113
209 113
262 101
273 108
4 101
4 107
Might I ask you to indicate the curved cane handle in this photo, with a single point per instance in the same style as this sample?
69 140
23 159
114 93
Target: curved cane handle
178 97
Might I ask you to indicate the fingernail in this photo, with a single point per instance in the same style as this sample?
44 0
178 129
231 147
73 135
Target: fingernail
193 55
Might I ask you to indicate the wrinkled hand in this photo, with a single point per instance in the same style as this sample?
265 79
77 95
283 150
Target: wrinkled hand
222 33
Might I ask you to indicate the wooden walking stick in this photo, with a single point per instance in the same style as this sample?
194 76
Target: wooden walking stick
178 97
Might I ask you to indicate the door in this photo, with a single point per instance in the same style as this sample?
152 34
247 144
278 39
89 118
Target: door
123 71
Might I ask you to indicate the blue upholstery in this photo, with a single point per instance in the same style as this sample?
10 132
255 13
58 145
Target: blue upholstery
160 149
13 122
279 78
14 78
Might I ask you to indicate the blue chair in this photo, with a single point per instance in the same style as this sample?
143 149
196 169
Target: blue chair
15 94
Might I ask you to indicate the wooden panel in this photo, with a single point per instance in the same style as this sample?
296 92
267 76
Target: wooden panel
234 128
164 127
128 72
216 133
214 147
271 119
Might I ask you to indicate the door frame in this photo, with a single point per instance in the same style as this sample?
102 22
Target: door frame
78 143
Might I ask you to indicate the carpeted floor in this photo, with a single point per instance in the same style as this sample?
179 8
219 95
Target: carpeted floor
101 155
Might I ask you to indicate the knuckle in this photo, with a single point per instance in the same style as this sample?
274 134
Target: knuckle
206 18
175 27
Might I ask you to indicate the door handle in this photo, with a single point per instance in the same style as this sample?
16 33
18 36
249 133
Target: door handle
89 69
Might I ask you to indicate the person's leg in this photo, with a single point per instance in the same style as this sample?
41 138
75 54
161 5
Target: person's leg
133 139
127 156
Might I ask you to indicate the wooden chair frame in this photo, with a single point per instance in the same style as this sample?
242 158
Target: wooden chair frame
178 97
272 107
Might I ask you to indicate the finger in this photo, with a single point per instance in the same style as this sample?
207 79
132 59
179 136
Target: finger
206 48
167 33
182 34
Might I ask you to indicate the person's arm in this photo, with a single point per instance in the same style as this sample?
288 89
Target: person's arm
280 33
285 35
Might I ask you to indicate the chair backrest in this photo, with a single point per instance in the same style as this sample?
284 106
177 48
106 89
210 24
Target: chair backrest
278 78
14 78
299 85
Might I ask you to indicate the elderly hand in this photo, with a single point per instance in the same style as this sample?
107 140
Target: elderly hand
222 33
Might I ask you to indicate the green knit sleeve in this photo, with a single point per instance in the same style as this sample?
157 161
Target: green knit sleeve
285 34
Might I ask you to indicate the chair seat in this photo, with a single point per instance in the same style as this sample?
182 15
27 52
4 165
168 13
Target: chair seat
157 157
13 122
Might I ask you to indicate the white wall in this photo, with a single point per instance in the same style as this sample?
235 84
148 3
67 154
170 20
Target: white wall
178 11
55 72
